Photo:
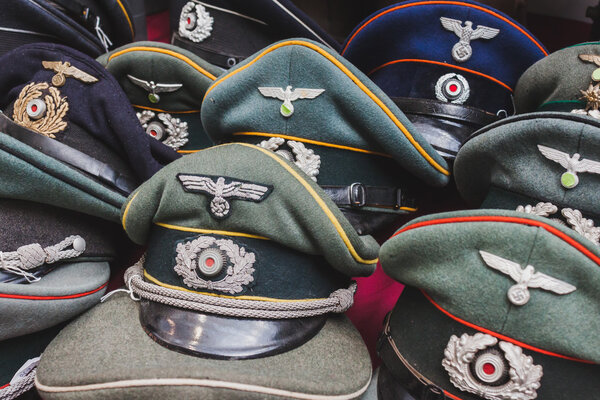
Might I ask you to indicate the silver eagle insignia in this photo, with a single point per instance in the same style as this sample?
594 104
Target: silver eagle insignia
65 70
154 88
573 165
223 189
491 369
462 50
288 95
526 278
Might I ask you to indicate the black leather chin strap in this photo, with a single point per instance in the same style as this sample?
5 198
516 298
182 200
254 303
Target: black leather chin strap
439 109
222 59
405 375
358 195
68 155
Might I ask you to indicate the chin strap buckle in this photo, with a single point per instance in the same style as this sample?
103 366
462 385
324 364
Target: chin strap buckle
357 195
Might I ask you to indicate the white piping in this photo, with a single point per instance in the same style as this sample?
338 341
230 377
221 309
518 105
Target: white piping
2 28
197 382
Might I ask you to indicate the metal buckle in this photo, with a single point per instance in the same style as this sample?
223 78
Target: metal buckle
357 194
398 199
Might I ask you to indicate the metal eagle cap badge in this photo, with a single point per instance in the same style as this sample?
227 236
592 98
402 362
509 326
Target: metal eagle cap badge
494 370
288 95
207 257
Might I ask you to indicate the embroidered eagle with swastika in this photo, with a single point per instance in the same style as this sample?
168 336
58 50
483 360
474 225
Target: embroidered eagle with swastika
223 189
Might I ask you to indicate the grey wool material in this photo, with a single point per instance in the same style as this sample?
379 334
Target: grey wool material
296 214
554 82
505 155
440 255
45 307
118 351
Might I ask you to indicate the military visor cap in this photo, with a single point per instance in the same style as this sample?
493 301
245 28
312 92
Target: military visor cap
246 273
225 32
20 357
90 26
498 305
65 105
312 107
54 263
544 157
567 81
450 66
166 85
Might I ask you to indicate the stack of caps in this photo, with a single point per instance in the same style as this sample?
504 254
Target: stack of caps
310 106
451 66
71 149
240 292
532 335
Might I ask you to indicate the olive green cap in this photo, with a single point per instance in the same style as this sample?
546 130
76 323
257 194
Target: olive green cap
497 303
524 159
288 209
444 255
556 82
333 106
165 84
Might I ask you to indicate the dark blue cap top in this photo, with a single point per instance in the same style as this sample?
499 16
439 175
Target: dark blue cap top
69 98
407 47
91 26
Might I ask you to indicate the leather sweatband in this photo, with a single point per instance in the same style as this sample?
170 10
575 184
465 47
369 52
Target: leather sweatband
400 369
440 109
67 155
358 195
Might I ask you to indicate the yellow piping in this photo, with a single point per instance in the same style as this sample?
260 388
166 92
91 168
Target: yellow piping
319 201
127 210
257 298
213 231
168 52
346 71
128 19
298 139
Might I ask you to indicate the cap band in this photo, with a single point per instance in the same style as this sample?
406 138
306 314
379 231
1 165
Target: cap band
358 195
338 302
68 155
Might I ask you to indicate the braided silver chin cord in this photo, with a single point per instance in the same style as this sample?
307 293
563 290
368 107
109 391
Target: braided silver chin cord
33 255
338 302
20 386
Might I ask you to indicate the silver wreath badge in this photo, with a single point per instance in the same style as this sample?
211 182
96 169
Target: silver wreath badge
195 23
170 130
574 218
490 378
192 257
304 158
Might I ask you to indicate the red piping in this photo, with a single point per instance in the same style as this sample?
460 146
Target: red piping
69 296
456 3
502 337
